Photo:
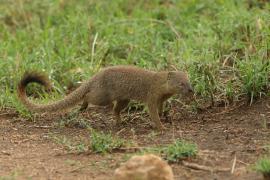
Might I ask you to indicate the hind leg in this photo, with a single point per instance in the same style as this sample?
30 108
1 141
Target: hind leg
83 106
161 104
118 107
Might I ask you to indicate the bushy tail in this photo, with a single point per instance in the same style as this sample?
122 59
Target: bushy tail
69 101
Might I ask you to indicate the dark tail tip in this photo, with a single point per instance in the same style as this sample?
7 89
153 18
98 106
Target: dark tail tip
32 76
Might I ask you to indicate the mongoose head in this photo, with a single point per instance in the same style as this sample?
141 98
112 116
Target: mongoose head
178 82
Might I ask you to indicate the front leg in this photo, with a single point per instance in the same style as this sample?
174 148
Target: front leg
160 108
153 111
161 102
83 106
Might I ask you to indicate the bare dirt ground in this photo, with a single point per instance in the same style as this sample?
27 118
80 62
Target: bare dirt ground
28 151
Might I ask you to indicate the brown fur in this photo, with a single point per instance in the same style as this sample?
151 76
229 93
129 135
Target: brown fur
118 84
145 167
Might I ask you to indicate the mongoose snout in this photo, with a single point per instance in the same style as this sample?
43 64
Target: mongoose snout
189 89
115 85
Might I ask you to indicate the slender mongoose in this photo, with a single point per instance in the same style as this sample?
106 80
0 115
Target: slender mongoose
118 84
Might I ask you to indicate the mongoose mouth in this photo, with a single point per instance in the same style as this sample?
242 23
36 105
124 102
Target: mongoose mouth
187 89
191 90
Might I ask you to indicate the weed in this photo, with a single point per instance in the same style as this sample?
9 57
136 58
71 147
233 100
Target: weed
174 152
204 78
73 120
263 166
255 78
104 143
69 145
99 142
179 150
13 175
7 177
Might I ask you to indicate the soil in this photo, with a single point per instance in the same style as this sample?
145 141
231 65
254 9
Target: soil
240 134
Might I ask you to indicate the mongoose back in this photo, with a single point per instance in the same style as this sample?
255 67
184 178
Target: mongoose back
118 84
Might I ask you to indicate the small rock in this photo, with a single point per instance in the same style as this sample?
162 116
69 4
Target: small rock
146 167
6 153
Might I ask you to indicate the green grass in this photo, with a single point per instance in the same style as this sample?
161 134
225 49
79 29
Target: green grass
73 120
104 143
12 176
98 142
223 45
263 166
69 144
174 152
180 150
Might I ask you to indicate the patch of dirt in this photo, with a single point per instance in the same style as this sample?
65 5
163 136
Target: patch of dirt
222 135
